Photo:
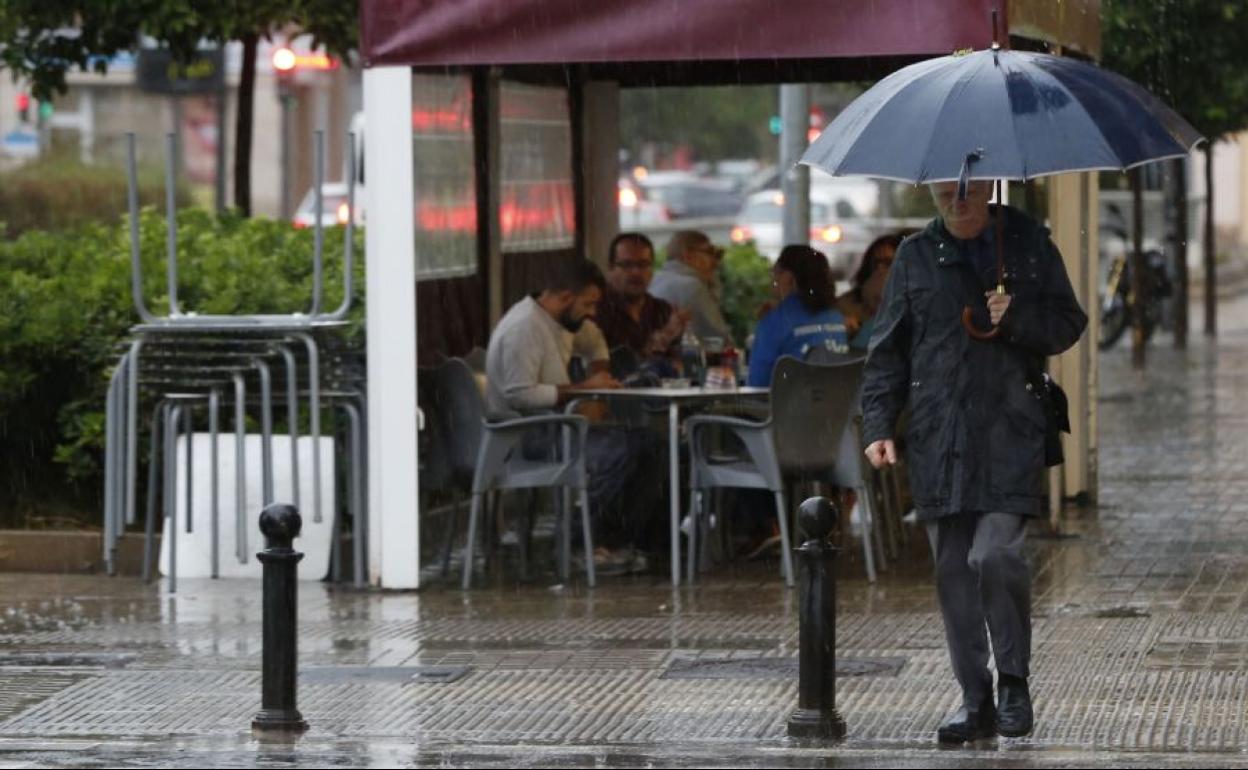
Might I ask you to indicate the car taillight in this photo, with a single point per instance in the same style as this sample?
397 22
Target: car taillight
299 224
829 234
740 234
344 213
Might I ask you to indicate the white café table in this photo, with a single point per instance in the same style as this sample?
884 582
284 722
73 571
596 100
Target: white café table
676 398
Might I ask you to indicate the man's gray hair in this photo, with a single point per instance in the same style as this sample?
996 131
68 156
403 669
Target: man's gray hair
684 240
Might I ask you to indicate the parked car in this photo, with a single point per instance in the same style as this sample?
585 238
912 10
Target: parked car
738 172
334 208
837 227
635 210
687 196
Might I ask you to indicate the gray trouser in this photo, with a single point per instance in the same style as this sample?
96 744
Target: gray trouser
982 578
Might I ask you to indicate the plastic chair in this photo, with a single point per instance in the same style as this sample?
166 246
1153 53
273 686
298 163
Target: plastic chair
802 437
490 453
436 474
870 484
818 354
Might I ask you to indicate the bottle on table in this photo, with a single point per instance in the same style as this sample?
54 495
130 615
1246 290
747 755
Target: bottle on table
692 357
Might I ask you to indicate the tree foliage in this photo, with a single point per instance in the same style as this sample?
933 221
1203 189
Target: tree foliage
714 122
44 40
1190 53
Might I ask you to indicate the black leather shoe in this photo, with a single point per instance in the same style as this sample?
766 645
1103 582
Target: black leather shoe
966 725
1014 715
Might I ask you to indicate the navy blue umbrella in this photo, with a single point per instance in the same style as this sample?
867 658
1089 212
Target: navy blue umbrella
998 114
1016 114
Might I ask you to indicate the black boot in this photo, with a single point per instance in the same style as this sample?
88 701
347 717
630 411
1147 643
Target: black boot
1014 715
968 725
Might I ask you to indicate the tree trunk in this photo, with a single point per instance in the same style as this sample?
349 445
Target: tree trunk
1211 249
243 126
1137 291
1178 197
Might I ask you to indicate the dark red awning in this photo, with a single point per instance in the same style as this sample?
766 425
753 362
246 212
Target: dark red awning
474 32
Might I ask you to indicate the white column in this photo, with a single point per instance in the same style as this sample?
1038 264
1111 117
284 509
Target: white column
394 515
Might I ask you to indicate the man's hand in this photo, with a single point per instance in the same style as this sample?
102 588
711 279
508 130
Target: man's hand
676 323
598 381
882 452
997 305
661 339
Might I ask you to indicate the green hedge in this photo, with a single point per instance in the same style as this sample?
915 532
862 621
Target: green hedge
60 192
65 308
745 277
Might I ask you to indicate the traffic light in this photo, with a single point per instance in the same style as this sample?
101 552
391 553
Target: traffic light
284 61
23 107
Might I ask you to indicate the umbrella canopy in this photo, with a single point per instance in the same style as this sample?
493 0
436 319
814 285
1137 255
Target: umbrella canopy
1025 114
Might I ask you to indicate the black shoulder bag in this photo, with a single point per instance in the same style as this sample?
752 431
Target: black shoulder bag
1056 416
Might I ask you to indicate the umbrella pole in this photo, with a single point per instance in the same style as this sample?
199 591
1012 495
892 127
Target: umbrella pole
999 222
968 313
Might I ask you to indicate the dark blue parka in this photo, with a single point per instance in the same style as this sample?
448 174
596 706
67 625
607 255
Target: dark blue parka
976 431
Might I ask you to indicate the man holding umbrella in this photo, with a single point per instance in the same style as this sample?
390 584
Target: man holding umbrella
973 306
976 436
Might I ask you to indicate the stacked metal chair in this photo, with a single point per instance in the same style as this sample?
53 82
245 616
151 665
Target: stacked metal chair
180 365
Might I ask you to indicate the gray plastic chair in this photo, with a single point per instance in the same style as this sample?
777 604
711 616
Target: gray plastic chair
811 408
436 474
490 453
853 473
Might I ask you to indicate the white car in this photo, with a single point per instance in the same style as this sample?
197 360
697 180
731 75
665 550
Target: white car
636 211
837 227
334 208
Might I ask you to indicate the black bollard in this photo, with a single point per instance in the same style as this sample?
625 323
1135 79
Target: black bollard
816 715
280 524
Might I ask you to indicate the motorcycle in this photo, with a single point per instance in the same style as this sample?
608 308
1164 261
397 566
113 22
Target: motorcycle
1117 299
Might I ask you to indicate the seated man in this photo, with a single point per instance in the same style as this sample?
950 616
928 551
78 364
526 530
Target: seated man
687 280
629 315
526 368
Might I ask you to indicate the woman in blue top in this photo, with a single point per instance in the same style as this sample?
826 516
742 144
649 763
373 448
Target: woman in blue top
805 318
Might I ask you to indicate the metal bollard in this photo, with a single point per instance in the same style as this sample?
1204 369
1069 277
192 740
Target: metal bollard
816 715
280 524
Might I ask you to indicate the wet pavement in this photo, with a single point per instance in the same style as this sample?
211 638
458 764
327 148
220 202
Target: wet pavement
1140 637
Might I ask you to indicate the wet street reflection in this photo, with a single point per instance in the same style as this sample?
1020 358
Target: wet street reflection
1140 637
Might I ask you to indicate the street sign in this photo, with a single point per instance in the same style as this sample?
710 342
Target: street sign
159 72
20 144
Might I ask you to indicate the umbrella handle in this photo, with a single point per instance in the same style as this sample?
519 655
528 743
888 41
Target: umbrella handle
968 322
999 221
